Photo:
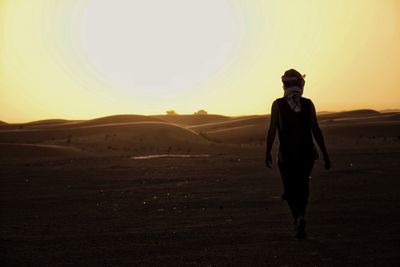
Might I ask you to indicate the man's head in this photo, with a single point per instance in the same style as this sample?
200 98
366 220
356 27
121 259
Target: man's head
293 78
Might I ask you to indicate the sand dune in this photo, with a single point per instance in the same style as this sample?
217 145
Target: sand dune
379 117
37 151
390 111
135 137
125 118
236 131
238 135
344 127
149 134
46 122
233 123
349 114
57 123
189 120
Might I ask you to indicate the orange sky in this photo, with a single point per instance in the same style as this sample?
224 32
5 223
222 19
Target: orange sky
89 58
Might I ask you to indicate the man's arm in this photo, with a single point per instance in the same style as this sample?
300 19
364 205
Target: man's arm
319 138
271 133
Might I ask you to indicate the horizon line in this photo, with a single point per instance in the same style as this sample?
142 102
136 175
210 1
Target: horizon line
193 114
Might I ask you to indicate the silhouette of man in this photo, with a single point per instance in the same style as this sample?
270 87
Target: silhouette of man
295 119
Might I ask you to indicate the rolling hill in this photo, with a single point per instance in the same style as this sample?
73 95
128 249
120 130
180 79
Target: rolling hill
143 135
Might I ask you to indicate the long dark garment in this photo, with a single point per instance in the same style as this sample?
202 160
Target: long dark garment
296 186
296 153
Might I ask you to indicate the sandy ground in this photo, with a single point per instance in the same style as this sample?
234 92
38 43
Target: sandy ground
218 211
60 207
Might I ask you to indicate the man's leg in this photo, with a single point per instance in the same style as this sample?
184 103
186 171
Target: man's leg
289 185
303 199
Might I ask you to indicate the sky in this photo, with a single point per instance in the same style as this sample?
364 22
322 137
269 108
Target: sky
81 59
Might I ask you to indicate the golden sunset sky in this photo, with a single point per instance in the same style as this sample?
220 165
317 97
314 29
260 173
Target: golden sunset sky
79 59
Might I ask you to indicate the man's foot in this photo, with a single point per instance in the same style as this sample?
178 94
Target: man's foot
300 232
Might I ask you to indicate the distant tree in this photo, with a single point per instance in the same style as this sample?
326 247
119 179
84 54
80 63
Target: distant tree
171 112
201 112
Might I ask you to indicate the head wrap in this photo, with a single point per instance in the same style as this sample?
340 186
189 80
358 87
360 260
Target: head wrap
293 84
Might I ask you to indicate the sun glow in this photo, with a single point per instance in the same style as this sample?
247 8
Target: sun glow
158 47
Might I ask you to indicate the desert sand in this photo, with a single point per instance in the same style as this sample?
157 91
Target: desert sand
193 190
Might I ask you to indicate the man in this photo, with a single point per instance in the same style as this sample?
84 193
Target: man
295 119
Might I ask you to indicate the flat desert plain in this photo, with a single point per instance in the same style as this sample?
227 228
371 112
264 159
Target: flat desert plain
193 190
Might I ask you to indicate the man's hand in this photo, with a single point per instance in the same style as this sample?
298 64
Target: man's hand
327 163
268 160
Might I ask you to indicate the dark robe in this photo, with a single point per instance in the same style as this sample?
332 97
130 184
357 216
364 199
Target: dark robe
296 152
